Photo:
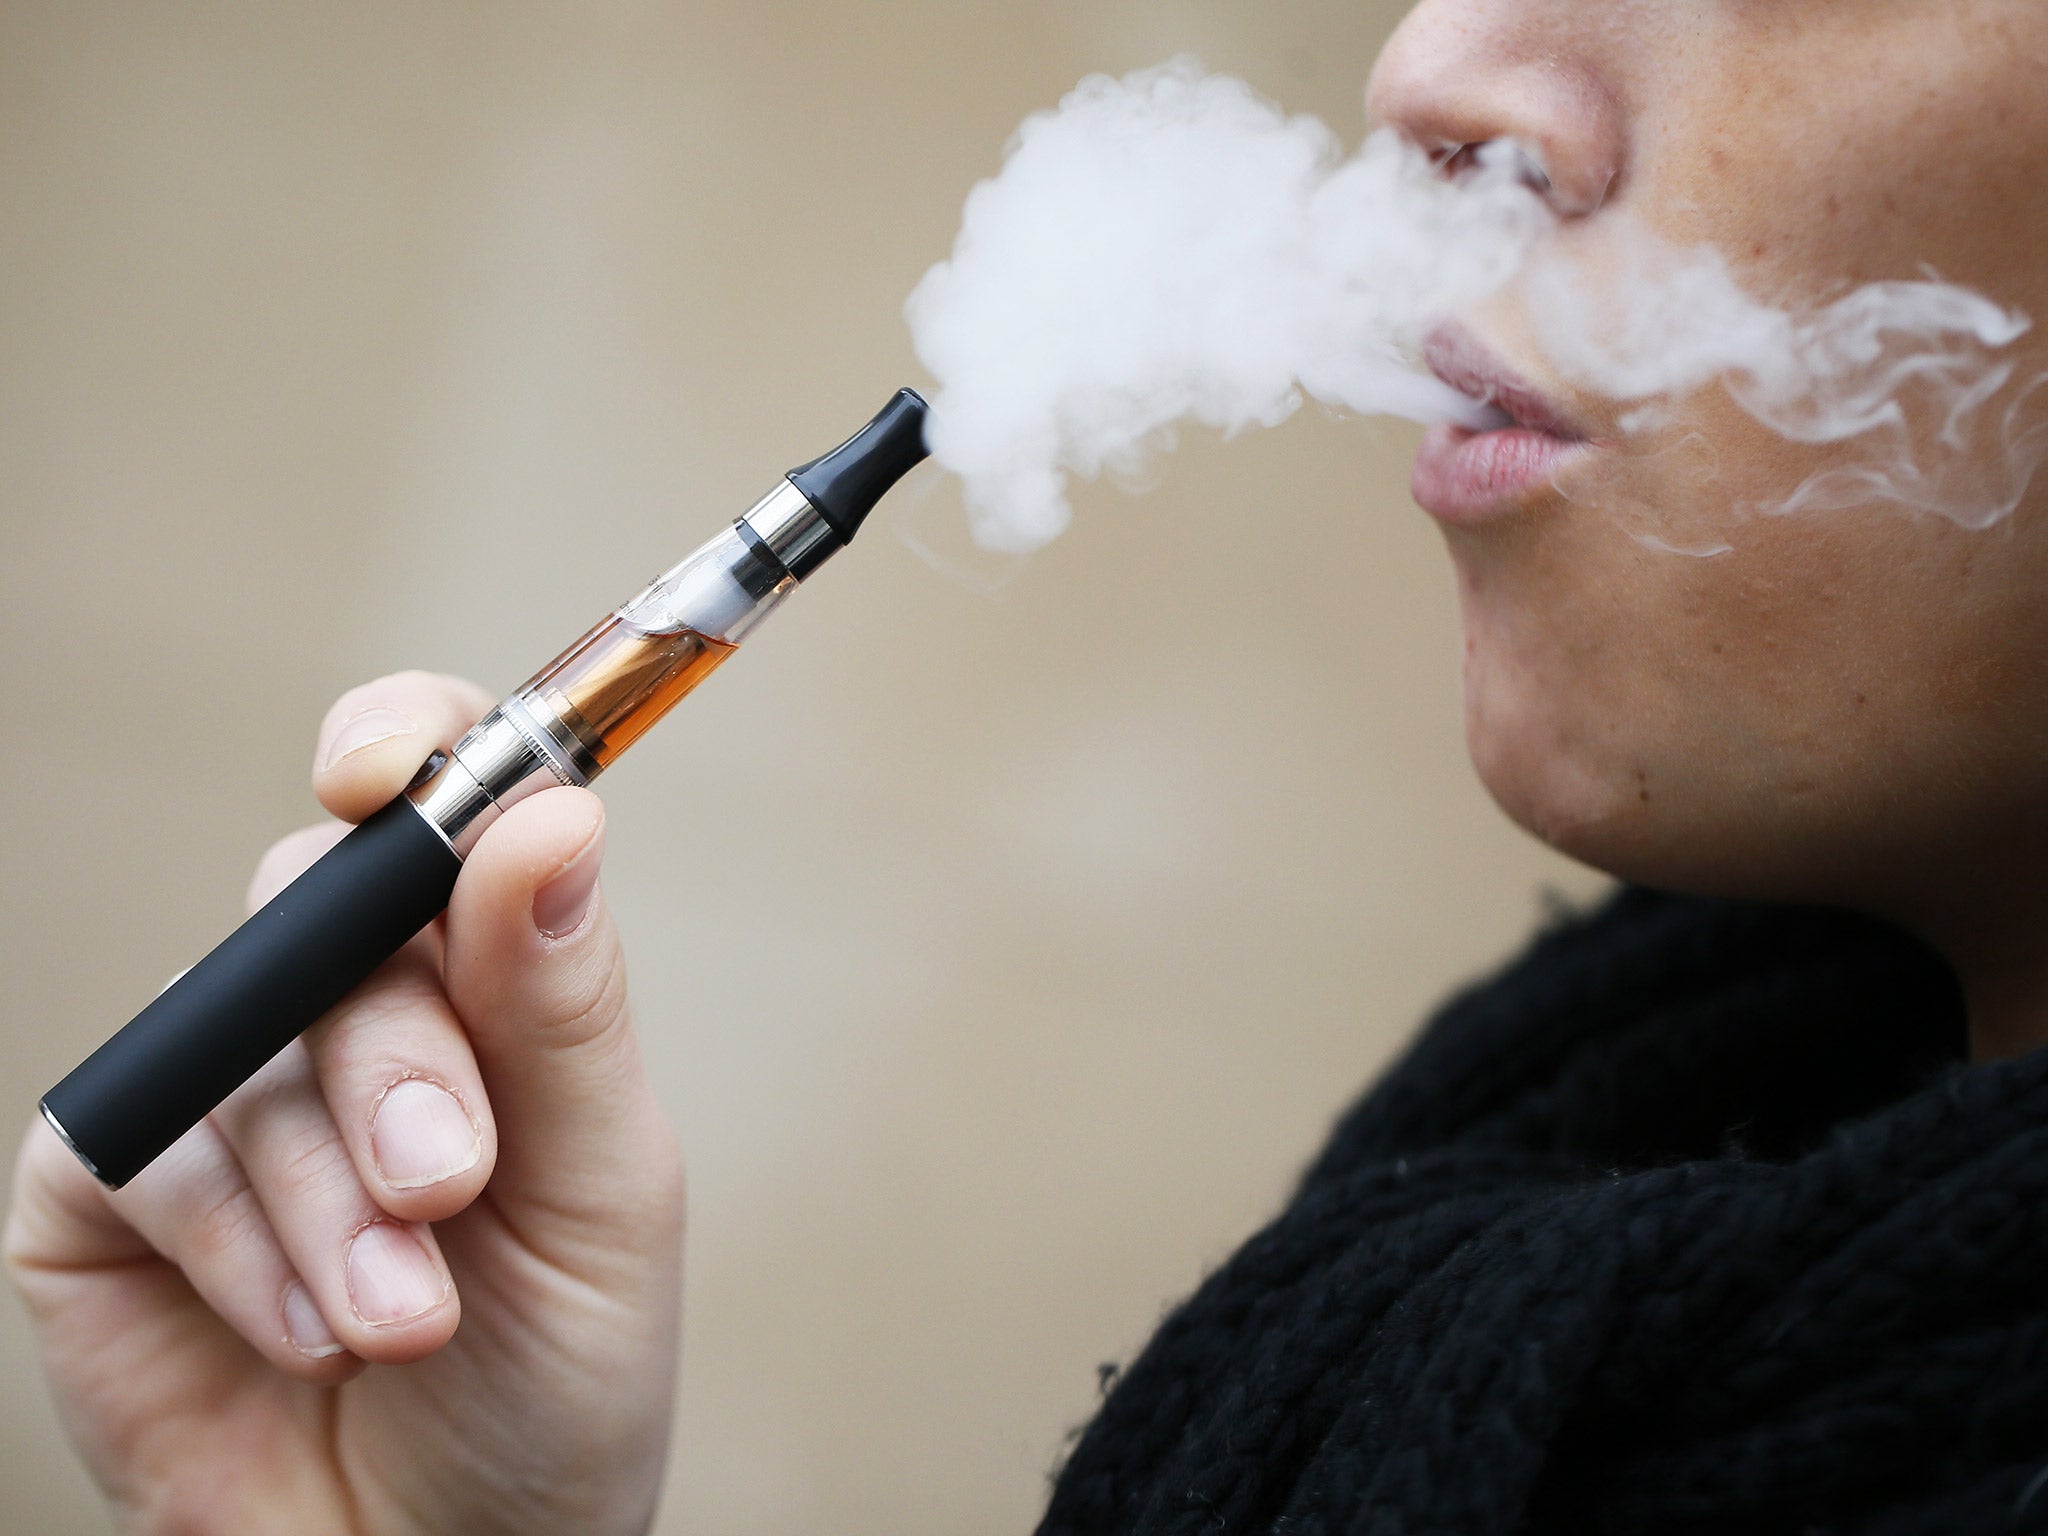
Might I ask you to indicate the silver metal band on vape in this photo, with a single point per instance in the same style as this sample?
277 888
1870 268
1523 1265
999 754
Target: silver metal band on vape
793 529
524 746
518 749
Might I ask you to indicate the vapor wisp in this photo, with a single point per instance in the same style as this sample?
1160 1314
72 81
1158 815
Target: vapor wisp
1913 389
1170 247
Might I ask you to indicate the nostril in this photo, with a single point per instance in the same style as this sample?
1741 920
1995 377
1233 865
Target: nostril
1508 157
1455 160
1520 161
1527 166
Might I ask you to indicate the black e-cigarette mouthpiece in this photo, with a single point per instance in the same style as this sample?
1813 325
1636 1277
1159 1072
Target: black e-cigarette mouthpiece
845 484
216 1025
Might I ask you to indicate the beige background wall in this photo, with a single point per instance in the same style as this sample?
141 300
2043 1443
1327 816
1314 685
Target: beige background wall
337 338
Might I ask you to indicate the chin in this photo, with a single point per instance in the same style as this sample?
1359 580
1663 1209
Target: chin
1622 790
1550 785
1605 732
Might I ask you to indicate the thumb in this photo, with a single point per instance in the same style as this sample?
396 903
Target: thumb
534 970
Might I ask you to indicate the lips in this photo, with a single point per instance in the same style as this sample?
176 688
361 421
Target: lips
1466 477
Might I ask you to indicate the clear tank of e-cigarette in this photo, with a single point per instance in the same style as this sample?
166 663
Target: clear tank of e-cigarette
613 684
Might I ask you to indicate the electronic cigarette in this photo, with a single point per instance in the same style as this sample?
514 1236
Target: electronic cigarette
211 1030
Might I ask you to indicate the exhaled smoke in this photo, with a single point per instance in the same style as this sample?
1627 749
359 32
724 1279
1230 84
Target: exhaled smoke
1170 247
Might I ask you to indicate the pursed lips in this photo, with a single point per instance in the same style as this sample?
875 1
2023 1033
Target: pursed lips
1466 476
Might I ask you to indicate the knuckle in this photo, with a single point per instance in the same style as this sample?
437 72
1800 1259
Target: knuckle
226 1218
308 1162
594 1003
294 1158
390 1032
367 1023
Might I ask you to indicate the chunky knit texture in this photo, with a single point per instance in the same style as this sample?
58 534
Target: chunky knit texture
1693 1220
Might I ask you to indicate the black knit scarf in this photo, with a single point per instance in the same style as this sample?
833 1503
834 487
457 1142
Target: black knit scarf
1690 1221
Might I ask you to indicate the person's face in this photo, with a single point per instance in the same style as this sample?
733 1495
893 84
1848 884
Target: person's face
1848 705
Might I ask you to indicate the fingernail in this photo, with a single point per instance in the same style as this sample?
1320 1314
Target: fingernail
420 1134
304 1328
390 1277
560 906
366 729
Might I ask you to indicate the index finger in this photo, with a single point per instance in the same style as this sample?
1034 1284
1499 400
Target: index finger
377 735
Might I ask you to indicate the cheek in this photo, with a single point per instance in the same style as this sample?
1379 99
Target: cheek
1848 142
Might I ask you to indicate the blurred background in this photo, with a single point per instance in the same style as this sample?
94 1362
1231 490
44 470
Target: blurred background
338 338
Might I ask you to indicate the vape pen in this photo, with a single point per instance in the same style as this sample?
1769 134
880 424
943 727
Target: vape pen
211 1030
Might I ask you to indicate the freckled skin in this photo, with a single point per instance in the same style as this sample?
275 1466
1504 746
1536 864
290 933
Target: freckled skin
1850 707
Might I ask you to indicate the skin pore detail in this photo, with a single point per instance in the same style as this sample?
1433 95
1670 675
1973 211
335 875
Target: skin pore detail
1846 705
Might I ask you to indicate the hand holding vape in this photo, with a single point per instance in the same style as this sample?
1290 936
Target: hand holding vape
214 1027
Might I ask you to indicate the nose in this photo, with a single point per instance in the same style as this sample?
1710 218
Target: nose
1460 73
